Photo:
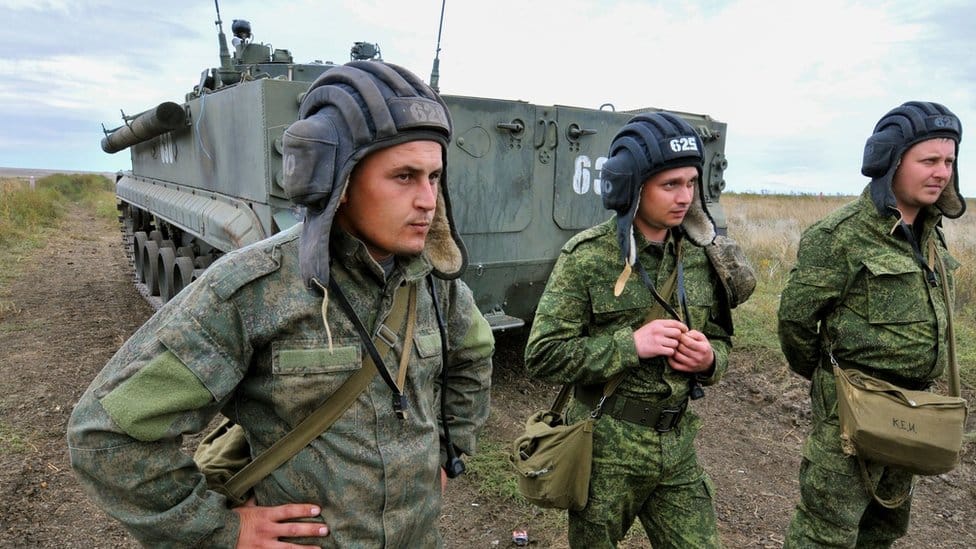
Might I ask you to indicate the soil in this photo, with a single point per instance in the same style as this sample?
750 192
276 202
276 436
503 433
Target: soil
72 303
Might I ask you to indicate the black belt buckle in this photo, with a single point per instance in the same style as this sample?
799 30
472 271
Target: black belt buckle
668 419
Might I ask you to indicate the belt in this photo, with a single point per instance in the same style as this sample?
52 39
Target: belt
661 418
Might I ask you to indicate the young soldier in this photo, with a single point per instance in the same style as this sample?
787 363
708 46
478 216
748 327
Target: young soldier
263 338
591 325
865 292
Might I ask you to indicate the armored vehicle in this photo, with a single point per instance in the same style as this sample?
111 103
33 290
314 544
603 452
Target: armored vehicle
206 175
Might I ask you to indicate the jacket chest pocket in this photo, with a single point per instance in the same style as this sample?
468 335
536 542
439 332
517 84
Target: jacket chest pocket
426 366
627 309
306 373
896 290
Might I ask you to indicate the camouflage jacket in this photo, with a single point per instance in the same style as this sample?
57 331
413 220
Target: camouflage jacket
583 334
858 287
247 339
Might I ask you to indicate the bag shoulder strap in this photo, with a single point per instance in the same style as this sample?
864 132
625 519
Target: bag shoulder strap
319 421
662 305
954 385
892 503
566 390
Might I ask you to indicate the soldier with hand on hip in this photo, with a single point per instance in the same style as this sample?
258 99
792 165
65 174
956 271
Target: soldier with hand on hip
265 336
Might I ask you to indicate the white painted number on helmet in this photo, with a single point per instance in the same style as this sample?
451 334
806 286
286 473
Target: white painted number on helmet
679 144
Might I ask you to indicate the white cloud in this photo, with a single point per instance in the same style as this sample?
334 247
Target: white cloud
799 83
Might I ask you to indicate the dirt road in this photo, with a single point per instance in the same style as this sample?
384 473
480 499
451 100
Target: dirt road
72 305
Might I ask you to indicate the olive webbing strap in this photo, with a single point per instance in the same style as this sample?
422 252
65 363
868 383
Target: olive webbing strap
661 303
407 337
954 385
336 404
892 503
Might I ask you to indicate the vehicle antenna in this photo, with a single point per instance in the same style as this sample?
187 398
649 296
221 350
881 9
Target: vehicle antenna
435 73
222 40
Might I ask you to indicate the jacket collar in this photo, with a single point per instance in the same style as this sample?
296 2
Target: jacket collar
354 257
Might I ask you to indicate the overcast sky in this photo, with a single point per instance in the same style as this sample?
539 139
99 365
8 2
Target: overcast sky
800 84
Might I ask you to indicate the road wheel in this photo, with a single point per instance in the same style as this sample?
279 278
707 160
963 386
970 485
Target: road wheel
139 240
150 266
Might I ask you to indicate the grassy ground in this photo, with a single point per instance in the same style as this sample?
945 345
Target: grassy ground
27 219
27 216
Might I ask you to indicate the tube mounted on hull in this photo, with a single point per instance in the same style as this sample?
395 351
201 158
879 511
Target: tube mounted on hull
165 117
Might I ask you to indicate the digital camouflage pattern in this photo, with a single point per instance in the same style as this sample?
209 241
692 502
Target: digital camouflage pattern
654 477
858 286
835 510
247 339
583 335
891 322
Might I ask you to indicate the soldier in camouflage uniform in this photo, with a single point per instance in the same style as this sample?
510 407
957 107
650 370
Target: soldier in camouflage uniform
257 339
864 289
591 325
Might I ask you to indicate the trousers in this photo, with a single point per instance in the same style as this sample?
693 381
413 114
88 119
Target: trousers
640 473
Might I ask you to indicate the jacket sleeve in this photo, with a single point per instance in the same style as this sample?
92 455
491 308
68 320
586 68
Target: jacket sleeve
815 284
720 337
470 349
124 435
561 347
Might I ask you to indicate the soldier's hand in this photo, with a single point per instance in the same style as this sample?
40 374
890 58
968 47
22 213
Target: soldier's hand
658 338
693 354
262 526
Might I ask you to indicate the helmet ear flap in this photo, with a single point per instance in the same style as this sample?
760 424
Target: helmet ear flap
878 154
617 177
309 162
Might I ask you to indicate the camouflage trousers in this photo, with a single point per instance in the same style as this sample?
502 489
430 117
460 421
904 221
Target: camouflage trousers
835 508
654 477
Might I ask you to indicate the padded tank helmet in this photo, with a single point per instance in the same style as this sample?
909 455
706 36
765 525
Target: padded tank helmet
349 112
648 144
896 132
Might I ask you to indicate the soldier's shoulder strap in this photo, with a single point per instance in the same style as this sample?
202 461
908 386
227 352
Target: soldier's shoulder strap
404 308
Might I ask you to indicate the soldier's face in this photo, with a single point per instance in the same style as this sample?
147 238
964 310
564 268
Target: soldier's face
391 198
925 170
664 201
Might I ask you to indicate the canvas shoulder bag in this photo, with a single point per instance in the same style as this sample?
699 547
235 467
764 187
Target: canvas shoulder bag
918 431
553 460
224 455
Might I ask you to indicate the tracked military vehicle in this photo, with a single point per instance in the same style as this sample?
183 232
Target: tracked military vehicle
206 175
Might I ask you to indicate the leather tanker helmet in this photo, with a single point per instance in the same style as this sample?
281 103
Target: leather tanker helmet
349 112
896 132
648 144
